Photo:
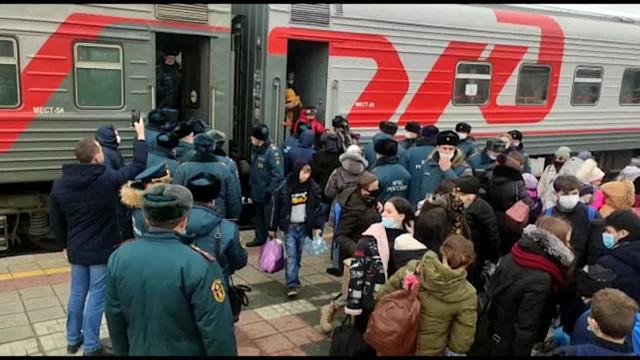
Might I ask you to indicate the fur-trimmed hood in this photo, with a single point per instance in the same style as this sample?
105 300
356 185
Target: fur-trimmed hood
353 163
131 197
550 244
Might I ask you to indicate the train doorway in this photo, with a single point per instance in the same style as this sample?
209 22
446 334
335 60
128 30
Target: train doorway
193 59
309 60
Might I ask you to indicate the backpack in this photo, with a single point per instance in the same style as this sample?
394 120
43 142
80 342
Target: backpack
346 340
393 325
591 213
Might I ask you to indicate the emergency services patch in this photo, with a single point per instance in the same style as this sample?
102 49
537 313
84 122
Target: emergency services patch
260 166
217 290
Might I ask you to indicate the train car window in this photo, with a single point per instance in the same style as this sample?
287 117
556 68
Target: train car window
98 76
630 88
9 74
533 85
586 86
472 82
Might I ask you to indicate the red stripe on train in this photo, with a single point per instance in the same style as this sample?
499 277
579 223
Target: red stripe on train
55 56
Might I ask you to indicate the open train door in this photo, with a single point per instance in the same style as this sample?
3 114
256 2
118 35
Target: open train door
194 59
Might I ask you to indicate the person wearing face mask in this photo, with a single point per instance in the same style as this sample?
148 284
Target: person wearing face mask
445 162
549 175
467 143
481 163
359 210
164 295
413 158
621 237
372 263
580 217
482 222
411 135
518 145
394 179
109 138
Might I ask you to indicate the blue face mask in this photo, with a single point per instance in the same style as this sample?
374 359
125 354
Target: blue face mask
608 240
389 223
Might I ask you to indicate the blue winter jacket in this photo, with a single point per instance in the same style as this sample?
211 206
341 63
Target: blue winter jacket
479 163
301 153
204 224
290 141
432 175
184 151
394 178
159 155
370 152
82 207
412 160
468 147
150 137
267 172
229 202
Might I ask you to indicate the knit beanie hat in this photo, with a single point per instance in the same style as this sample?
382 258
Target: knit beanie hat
468 184
260 132
386 147
563 152
625 219
530 181
413 126
388 127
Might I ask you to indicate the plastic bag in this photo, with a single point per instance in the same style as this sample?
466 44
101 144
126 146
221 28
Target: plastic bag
271 256
315 247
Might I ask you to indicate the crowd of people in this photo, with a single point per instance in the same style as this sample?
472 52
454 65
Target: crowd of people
501 256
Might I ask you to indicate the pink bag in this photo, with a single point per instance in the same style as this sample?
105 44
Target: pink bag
271 256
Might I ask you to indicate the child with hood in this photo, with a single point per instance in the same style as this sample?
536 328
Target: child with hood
301 152
617 195
549 175
353 164
296 211
109 139
531 184
448 302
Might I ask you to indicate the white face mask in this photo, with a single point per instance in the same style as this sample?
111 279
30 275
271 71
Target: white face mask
446 156
516 143
568 202
462 135
492 155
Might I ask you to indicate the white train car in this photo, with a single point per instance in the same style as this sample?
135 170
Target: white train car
562 78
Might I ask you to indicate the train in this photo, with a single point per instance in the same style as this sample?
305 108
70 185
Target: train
559 76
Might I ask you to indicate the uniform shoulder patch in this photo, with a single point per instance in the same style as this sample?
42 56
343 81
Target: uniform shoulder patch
217 290
203 253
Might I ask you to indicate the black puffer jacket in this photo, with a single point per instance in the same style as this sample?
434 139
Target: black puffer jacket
505 189
624 260
356 217
324 162
523 300
484 230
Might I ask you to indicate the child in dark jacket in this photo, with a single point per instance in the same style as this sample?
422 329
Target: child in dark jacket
296 211
613 315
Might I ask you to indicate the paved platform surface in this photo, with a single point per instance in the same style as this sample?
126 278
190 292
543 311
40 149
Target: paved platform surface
34 291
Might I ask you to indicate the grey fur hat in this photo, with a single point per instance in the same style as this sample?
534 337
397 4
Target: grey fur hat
166 202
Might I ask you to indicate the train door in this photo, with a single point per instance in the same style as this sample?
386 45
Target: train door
195 68
309 61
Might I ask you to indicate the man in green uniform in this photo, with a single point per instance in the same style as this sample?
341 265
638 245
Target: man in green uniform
165 297
169 81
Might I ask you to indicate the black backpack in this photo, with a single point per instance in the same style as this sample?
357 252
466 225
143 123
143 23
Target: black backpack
347 340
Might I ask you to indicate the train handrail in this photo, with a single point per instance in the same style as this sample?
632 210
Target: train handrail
335 84
276 85
152 89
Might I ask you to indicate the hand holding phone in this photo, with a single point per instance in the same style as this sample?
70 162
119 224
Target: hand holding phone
138 124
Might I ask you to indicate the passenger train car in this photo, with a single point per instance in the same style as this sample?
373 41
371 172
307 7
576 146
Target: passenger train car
561 78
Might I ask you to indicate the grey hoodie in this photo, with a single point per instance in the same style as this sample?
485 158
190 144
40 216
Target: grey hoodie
353 165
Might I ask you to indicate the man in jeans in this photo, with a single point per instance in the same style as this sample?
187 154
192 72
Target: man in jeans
82 208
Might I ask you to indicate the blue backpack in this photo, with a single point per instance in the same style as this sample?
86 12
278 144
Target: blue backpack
591 213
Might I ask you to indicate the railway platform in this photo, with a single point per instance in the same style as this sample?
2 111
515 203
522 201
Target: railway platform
34 291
